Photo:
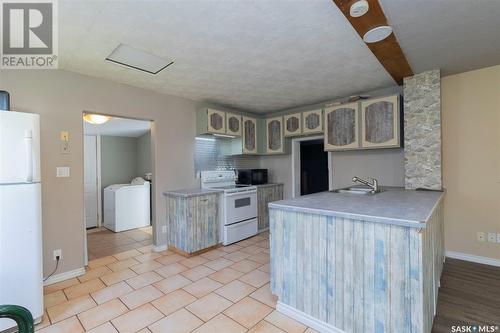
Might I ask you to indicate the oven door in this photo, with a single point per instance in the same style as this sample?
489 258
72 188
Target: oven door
240 206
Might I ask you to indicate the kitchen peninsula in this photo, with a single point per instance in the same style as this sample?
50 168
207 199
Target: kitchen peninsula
343 262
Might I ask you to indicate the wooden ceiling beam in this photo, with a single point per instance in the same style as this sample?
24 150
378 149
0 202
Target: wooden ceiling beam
387 51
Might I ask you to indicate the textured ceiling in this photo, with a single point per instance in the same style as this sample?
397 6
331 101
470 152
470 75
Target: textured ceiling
118 127
255 55
453 35
269 55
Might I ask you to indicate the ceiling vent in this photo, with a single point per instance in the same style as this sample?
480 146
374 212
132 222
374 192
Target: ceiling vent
130 57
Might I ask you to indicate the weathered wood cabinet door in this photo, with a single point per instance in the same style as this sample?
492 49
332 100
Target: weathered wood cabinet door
312 122
216 121
293 124
380 122
193 222
233 124
274 135
249 135
342 127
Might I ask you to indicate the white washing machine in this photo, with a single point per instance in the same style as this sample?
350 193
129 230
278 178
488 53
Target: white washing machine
126 206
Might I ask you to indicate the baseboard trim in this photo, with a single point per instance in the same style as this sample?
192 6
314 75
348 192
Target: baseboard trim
64 276
306 319
473 258
160 248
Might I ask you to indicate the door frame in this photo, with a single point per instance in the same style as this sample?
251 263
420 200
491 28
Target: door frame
99 183
98 178
296 163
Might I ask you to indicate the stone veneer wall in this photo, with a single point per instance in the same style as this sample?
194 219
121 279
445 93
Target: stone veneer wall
422 130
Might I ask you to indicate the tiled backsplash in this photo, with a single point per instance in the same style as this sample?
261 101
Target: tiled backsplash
208 156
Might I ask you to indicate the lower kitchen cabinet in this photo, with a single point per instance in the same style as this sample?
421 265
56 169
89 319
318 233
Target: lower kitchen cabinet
192 222
265 194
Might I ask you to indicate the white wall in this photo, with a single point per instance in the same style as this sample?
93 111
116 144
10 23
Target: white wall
386 165
471 160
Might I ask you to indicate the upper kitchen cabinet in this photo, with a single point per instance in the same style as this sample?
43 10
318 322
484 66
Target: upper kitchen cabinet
342 127
293 124
210 121
381 122
216 121
312 122
274 136
233 124
249 135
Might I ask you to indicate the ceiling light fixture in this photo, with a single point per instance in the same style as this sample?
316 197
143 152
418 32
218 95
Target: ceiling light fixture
131 57
359 8
95 119
377 34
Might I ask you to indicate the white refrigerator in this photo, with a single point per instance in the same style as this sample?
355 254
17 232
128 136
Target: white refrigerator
21 273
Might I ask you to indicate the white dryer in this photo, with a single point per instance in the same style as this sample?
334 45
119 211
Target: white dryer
126 206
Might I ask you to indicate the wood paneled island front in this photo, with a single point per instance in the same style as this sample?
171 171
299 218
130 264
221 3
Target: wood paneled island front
358 263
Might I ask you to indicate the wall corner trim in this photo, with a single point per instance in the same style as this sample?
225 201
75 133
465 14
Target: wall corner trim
306 319
473 258
160 248
64 276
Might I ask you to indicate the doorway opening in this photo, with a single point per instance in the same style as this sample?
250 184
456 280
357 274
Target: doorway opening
311 166
118 165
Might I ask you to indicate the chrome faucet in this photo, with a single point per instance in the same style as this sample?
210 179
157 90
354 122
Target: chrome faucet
373 186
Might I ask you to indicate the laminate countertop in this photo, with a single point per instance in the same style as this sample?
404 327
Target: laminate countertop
394 205
191 192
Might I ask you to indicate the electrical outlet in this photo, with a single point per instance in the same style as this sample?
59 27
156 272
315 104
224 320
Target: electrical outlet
492 237
481 236
57 253
164 229
64 147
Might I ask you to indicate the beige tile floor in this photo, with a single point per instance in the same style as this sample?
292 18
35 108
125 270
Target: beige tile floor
225 290
102 242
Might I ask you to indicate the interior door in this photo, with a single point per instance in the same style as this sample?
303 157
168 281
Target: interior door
90 180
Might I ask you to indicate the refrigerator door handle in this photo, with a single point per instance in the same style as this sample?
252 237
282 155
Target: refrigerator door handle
28 140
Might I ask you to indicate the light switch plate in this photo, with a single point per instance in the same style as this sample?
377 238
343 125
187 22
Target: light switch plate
498 238
62 172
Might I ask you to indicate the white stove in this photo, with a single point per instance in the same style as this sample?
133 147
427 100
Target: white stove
238 208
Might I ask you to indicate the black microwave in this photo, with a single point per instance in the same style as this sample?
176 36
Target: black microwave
252 176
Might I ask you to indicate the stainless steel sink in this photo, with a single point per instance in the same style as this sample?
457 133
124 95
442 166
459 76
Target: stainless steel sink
356 190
